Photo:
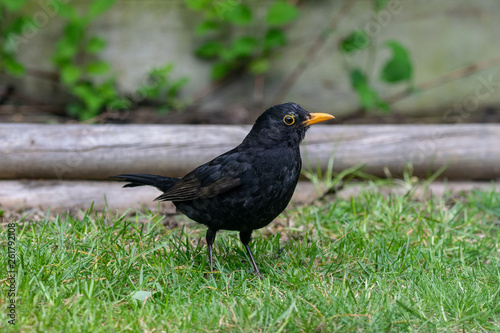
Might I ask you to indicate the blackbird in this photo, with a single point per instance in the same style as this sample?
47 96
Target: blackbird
247 187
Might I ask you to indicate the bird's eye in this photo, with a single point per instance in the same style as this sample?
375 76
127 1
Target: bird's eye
289 120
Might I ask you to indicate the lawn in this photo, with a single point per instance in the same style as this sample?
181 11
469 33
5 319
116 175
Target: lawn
373 263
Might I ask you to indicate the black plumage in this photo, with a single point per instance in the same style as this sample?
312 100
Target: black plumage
247 187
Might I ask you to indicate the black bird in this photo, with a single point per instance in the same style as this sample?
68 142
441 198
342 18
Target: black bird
247 187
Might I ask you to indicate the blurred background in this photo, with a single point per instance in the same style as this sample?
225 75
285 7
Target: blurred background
225 61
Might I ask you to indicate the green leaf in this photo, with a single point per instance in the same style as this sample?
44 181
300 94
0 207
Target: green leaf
95 45
399 67
244 46
259 66
158 75
357 40
220 70
98 67
210 49
368 97
119 103
70 74
205 27
281 12
74 31
358 78
19 26
146 91
164 70
159 84
88 96
223 8
13 66
239 14
197 4
97 7
380 4
107 90
274 38
65 50
11 43
13 5
67 11
176 86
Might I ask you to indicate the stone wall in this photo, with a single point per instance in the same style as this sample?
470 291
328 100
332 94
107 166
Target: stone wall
441 36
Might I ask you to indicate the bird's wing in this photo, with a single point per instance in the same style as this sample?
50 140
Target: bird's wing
206 181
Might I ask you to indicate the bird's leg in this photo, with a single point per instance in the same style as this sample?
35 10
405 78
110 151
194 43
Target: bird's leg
245 239
210 242
253 262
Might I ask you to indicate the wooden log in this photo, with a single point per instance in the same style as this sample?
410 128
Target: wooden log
470 151
19 195
61 196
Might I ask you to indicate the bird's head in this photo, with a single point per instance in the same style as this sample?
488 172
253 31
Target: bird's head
284 124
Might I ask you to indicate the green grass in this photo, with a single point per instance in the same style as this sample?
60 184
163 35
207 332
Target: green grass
374 263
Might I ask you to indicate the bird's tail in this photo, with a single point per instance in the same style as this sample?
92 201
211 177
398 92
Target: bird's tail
136 179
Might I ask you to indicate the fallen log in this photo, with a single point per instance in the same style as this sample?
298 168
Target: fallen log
61 196
81 194
469 151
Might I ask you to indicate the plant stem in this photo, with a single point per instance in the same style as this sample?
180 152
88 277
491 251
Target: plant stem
445 78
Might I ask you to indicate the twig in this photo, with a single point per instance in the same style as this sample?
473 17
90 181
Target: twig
440 80
258 92
214 85
313 50
436 82
100 118
207 90
41 74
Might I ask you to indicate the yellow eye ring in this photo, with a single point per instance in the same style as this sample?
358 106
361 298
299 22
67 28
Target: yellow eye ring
289 120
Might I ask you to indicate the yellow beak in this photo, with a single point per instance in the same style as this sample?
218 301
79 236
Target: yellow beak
316 118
